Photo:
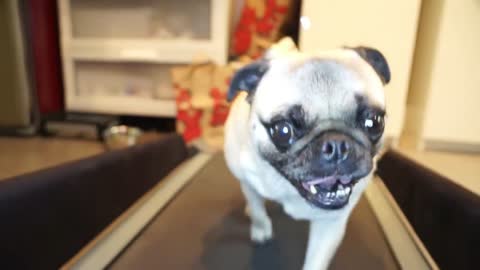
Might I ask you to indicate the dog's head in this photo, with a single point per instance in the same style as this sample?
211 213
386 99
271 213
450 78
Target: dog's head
318 119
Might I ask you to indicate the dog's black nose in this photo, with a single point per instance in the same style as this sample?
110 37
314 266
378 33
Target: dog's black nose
335 148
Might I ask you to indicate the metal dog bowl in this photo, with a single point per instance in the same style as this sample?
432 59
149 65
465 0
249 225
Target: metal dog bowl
117 137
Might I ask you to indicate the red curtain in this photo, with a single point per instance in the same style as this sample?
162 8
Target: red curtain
44 36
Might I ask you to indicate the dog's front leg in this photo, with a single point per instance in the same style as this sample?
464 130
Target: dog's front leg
323 241
261 227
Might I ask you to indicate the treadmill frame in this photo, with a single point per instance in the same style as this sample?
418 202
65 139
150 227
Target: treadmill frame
406 246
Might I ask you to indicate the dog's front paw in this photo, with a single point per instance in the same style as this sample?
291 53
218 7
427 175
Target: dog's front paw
261 232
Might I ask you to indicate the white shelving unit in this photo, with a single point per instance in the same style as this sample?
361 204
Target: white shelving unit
116 53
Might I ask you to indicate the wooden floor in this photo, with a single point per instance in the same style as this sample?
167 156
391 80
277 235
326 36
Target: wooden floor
23 155
462 168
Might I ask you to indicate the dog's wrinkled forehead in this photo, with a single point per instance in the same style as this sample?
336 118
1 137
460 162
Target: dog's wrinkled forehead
327 85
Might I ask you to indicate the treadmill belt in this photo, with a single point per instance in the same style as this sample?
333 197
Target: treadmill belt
204 227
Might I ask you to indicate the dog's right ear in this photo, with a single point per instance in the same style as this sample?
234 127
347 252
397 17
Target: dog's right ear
247 79
376 59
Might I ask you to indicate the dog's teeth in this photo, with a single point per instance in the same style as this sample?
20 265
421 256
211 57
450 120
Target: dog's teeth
340 187
313 190
348 189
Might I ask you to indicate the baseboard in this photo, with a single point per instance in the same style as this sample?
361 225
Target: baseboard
19 131
391 141
440 145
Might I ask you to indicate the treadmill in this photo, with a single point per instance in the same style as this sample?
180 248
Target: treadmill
194 219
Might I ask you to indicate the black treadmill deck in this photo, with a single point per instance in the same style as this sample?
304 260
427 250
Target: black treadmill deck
204 227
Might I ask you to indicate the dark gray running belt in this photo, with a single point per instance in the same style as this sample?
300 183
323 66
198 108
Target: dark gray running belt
204 227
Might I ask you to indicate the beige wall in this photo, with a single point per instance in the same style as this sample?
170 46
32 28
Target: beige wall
427 33
452 112
389 26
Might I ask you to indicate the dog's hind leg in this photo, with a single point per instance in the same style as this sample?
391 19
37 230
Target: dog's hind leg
261 225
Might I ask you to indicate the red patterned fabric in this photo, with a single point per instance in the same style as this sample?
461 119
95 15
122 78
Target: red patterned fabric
242 37
249 25
220 108
191 119
188 116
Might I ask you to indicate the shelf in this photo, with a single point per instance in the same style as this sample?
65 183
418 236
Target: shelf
144 50
123 105
131 42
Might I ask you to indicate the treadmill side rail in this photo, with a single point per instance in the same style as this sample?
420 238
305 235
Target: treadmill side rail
103 249
404 242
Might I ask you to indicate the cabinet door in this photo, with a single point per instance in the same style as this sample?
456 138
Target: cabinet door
389 26
143 19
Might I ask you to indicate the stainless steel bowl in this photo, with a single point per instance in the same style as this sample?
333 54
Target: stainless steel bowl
117 137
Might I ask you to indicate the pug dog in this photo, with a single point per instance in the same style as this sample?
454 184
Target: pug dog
305 130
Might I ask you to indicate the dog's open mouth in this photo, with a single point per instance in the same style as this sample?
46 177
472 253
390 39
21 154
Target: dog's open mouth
331 192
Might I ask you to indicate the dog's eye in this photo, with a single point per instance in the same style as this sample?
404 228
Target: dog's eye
281 133
374 124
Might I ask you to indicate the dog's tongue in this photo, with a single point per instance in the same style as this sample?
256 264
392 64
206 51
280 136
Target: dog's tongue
327 181
345 179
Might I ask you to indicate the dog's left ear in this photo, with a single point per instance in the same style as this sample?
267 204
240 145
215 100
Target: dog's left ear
376 59
247 79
